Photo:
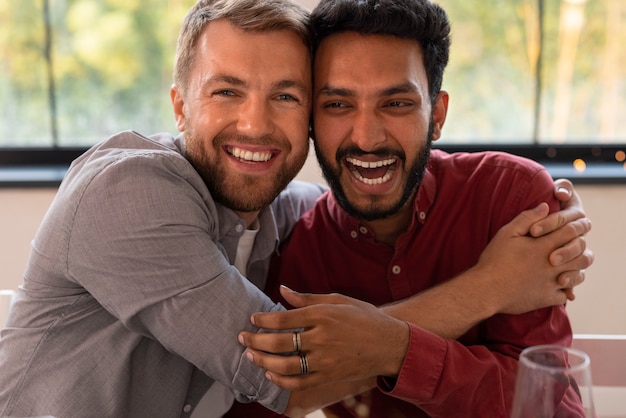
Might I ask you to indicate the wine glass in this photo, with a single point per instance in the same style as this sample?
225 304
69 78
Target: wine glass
553 382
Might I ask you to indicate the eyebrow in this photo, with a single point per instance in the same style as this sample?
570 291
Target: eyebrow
287 84
407 87
279 85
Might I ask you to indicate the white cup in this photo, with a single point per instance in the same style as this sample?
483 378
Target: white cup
6 296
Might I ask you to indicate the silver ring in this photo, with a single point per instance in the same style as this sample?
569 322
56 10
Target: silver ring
296 342
304 364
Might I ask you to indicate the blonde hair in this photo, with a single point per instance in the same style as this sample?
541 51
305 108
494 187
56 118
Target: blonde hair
248 15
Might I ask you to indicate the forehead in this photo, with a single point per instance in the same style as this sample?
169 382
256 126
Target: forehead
252 56
352 60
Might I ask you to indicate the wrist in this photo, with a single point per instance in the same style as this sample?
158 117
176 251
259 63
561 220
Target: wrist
398 347
485 293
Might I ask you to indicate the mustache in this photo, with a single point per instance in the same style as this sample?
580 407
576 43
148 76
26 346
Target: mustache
358 152
244 139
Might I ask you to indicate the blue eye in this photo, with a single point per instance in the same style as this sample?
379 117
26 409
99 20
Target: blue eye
287 97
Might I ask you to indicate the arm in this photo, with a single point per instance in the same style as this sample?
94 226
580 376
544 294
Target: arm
144 245
516 276
447 310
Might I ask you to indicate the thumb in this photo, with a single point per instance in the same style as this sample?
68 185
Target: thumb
520 225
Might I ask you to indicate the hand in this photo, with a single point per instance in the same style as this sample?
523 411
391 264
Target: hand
344 339
519 274
571 210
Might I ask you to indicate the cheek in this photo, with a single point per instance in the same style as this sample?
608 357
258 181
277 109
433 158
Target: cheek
330 132
297 130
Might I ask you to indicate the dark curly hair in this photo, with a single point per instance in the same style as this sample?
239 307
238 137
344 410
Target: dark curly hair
421 20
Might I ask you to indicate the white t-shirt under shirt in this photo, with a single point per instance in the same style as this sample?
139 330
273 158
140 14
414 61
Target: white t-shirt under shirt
218 399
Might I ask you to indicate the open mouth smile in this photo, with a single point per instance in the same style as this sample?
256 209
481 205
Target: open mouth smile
250 157
372 172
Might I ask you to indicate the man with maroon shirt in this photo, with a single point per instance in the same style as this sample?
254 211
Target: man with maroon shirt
402 219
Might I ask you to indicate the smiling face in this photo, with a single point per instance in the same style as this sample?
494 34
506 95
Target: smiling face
245 113
373 121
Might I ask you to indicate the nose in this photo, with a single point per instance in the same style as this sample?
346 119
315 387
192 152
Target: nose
368 130
256 118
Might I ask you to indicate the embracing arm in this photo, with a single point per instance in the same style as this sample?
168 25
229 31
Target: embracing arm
505 280
156 266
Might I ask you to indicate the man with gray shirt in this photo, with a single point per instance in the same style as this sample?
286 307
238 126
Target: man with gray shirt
136 287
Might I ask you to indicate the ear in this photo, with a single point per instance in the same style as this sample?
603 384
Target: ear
440 110
178 104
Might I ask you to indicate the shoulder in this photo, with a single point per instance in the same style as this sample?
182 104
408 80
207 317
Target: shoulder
297 198
130 173
133 160
490 167
492 180
484 161
293 202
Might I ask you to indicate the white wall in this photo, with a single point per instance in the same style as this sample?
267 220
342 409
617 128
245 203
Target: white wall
600 305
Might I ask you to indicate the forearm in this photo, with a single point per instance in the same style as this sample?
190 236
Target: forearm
449 309
307 401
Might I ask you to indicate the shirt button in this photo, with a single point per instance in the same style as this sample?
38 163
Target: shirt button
396 269
422 215
239 228
187 408
354 234
363 230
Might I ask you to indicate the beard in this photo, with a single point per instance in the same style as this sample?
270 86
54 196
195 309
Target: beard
377 208
236 191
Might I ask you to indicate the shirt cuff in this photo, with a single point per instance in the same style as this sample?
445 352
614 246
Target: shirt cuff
421 369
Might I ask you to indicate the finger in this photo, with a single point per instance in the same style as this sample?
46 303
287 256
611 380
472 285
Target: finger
283 365
568 242
580 262
300 300
297 383
277 343
563 189
568 252
284 320
571 210
295 299
286 372
570 279
521 224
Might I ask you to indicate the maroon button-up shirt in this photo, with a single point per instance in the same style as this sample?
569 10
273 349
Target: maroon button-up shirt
464 199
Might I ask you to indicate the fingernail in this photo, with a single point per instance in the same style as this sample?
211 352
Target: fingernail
564 190
282 285
252 320
568 282
240 339
249 356
268 376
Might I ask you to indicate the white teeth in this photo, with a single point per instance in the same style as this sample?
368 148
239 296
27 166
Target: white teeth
373 164
247 155
371 182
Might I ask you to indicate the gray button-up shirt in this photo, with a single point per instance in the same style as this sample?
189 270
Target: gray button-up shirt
130 306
